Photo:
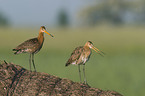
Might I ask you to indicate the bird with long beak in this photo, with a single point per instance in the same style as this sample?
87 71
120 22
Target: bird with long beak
32 45
81 55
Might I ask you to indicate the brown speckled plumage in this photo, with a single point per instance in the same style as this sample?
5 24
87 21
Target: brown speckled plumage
77 54
32 45
81 55
29 46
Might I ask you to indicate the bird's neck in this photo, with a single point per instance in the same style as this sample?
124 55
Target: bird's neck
41 37
86 47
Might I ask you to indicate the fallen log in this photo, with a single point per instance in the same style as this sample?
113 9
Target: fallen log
18 81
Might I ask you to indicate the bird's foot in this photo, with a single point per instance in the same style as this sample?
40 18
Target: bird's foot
85 83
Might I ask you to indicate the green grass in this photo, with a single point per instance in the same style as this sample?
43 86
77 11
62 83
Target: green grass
122 69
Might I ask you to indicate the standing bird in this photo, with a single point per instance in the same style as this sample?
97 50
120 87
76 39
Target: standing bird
32 45
81 55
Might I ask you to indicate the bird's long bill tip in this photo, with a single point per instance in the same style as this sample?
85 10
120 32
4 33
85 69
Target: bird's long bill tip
98 51
48 33
51 35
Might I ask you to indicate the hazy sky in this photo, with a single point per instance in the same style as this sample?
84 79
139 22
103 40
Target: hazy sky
40 12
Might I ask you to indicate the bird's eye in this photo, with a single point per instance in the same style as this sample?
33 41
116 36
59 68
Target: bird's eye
43 29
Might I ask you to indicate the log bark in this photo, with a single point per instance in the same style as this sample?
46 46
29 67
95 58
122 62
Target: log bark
18 81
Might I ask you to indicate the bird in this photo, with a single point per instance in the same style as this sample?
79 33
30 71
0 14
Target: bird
32 46
81 55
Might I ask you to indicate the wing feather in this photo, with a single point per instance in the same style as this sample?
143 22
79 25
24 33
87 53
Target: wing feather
28 44
75 55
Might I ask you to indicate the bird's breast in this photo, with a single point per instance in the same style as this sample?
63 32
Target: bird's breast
84 59
85 56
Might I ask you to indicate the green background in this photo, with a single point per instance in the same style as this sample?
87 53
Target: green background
121 69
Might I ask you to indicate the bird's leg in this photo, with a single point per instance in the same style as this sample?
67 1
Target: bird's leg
33 62
79 73
30 62
85 81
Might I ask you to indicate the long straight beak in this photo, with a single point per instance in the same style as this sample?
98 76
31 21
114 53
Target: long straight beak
98 51
48 33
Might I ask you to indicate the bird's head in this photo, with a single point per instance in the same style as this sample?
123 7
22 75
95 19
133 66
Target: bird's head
90 45
43 29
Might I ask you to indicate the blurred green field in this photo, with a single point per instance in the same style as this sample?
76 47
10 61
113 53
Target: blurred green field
122 69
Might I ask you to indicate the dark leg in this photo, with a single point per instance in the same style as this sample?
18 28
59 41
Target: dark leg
79 72
33 62
85 81
30 62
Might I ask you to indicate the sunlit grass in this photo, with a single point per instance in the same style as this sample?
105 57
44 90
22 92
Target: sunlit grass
122 68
